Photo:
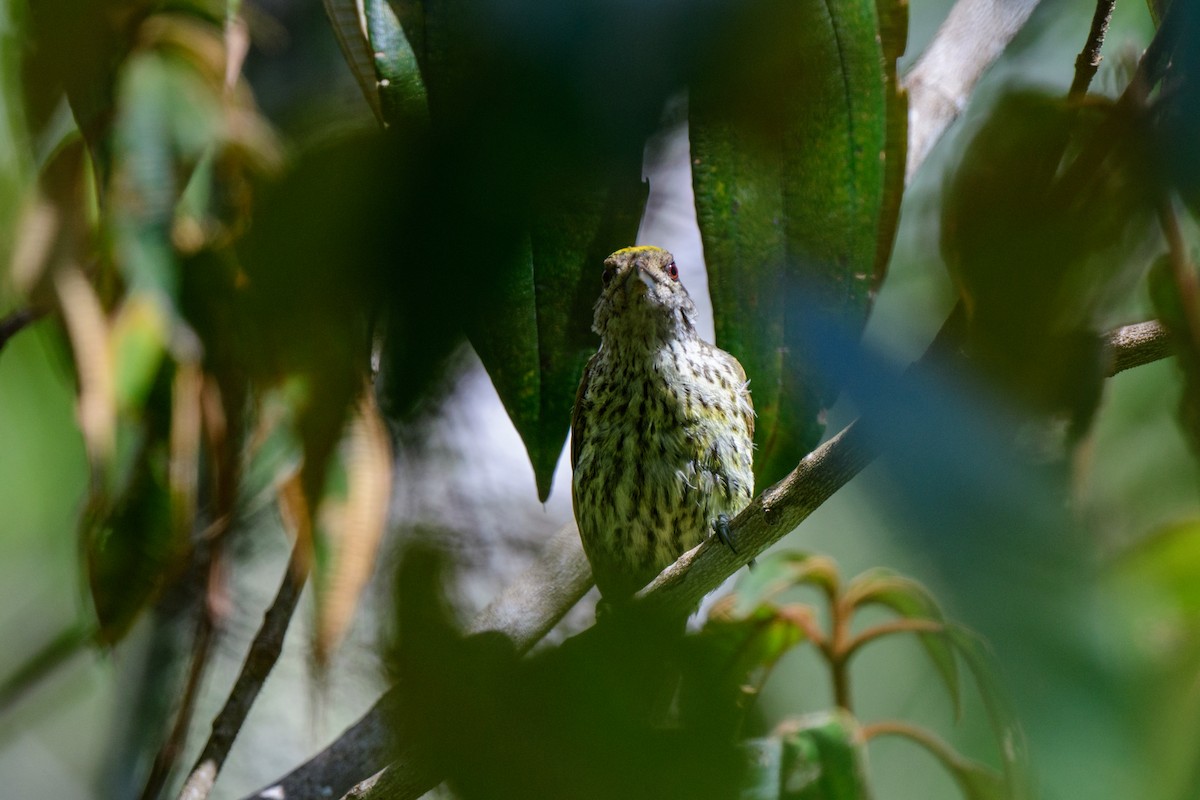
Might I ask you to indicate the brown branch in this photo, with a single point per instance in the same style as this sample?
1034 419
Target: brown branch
969 41
1136 345
1088 61
264 652
887 629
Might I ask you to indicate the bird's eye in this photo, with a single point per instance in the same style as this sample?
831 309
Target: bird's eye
673 271
607 276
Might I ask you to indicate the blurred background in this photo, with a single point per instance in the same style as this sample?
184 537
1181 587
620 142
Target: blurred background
76 735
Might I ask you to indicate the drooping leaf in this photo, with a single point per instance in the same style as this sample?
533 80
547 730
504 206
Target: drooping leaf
910 600
789 151
351 523
1010 739
754 641
1046 226
535 337
976 781
783 570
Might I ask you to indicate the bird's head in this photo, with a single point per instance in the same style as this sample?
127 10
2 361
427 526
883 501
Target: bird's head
642 296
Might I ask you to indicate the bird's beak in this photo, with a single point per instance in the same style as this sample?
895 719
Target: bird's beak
644 277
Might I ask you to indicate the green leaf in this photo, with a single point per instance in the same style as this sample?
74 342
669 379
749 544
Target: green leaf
820 757
910 600
130 546
1166 565
783 570
138 339
1010 739
788 153
400 87
535 336
747 642
976 781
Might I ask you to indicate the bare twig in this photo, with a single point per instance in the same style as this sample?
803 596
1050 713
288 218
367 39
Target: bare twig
1089 58
970 40
264 652
1135 345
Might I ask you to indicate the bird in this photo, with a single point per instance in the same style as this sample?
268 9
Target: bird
661 432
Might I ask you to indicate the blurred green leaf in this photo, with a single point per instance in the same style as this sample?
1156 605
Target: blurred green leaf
1046 227
130 546
168 114
910 600
138 339
1165 565
744 643
788 151
823 760
1169 305
1010 739
976 781
783 570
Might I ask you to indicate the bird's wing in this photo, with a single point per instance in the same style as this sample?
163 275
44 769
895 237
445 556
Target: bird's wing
744 388
576 416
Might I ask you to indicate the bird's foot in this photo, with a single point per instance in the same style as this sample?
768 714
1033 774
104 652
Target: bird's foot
721 528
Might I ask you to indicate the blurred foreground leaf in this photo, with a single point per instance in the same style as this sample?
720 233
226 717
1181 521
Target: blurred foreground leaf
1043 238
818 757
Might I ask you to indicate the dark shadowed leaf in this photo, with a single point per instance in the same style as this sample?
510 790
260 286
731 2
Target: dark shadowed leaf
910 600
788 154
1045 228
535 337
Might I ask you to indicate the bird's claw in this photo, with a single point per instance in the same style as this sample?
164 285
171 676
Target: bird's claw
721 528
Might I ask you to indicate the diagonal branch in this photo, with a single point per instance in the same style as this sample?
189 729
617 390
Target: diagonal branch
264 652
1088 61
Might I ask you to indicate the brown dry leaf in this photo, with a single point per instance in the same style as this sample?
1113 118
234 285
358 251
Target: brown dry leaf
184 466
354 523
88 330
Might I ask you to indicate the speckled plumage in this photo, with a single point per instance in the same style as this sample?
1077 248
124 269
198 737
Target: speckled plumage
662 427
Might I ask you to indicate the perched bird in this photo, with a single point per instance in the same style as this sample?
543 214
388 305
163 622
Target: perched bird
662 430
